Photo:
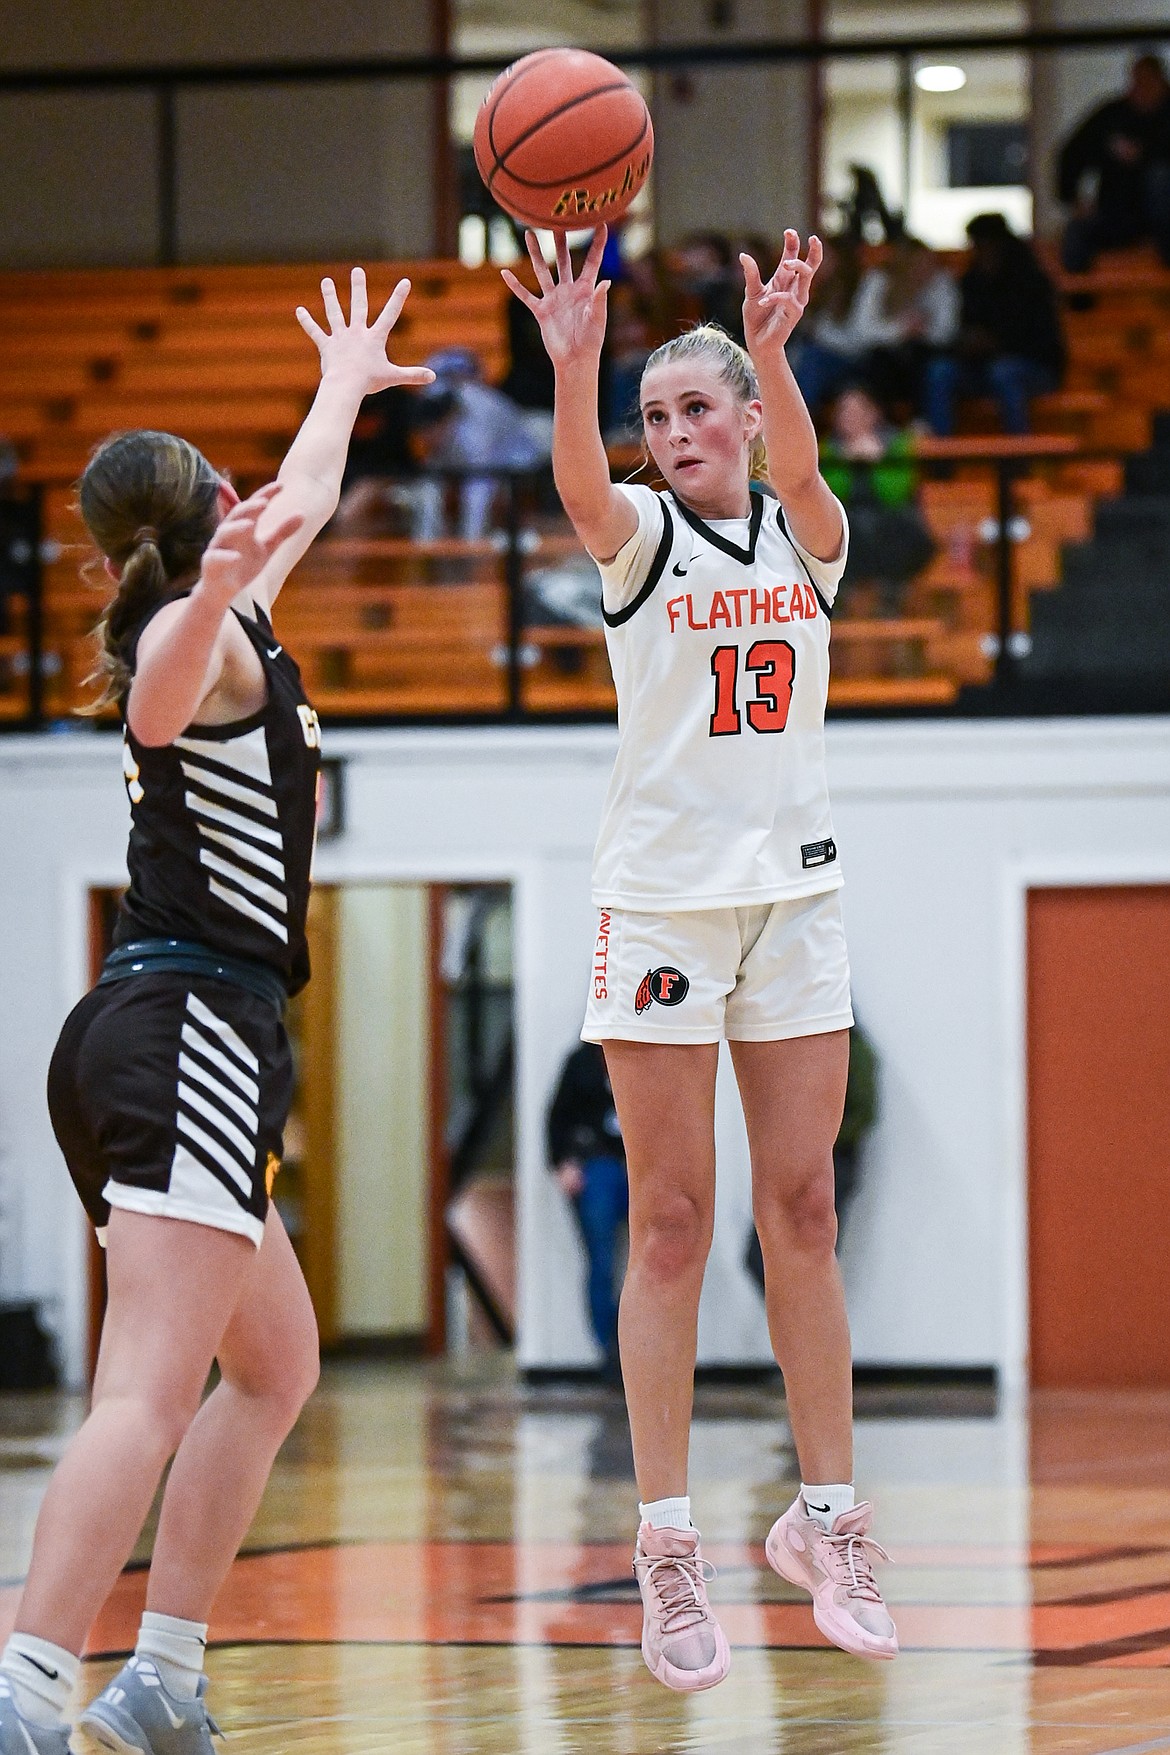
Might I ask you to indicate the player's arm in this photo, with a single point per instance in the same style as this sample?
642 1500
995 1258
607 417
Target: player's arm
184 648
353 366
771 311
571 314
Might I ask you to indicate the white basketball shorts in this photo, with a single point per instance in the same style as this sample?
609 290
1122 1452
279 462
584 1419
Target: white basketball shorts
748 974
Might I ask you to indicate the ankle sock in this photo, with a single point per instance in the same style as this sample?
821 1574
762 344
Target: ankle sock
667 1514
825 1504
41 1676
176 1649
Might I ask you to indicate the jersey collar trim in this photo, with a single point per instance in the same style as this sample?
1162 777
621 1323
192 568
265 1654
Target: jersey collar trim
745 556
657 568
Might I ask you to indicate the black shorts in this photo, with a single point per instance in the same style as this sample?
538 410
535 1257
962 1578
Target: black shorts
168 1095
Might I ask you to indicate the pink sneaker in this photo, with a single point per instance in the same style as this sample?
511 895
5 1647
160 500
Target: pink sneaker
835 1567
682 1642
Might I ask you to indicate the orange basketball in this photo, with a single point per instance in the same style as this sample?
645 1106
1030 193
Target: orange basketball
563 139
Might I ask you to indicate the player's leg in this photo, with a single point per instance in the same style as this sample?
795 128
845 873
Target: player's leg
665 1097
793 1094
172 1288
268 1359
268 1362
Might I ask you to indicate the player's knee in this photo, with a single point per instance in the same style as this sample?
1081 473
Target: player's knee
673 1243
801 1210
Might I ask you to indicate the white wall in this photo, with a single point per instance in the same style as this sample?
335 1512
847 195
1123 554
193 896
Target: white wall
941 824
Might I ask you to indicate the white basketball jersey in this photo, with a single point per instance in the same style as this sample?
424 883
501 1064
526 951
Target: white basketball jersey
718 637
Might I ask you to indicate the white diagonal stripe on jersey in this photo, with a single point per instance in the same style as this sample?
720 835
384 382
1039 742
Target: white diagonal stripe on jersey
247 880
195 1100
262 861
217 1153
230 1070
242 905
232 1099
229 788
204 1015
219 814
193 1184
247 754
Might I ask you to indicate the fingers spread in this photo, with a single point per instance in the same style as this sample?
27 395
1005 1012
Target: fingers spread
333 312
392 309
543 278
596 252
521 291
288 526
753 284
311 326
816 253
358 302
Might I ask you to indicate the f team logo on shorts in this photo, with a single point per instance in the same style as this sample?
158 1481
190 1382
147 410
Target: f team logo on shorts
665 986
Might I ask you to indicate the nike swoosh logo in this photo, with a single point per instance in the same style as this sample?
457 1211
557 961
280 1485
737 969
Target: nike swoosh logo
810 1507
274 651
679 572
176 1723
53 1675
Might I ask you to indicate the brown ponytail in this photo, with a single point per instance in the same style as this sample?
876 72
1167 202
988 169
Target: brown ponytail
150 501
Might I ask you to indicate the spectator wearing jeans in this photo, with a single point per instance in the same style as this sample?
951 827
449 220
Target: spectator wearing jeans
1124 147
589 1161
1009 344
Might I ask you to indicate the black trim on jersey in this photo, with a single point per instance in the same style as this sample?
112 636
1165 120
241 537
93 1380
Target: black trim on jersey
657 568
826 607
744 555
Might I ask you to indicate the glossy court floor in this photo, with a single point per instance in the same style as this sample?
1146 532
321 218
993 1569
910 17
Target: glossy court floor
441 1567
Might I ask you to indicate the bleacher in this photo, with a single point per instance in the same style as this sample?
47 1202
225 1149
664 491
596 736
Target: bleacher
393 627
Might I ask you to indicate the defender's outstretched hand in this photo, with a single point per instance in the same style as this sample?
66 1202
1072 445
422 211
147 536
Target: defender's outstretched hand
773 308
571 312
355 348
237 554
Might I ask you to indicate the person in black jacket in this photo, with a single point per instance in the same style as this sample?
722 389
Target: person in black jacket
1125 146
589 1161
1010 344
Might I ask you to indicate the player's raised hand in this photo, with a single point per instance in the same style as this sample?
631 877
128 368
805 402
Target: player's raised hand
238 552
357 348
570 311
772 308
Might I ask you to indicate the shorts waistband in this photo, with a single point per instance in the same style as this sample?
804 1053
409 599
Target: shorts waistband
158 956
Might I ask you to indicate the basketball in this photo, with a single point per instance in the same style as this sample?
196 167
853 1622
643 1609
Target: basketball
563 140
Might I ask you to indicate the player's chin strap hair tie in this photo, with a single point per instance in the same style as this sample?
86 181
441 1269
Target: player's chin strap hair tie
147 533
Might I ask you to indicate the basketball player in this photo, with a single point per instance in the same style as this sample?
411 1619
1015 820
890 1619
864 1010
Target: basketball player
170 1084
716 875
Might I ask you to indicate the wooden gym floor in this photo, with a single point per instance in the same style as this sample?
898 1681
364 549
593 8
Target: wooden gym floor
441 1567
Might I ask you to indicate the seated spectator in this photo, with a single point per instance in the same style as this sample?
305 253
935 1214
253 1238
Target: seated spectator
589 1161
1125 148
869 465
898 311
1009 344
709 273
382 491
823 357
481 430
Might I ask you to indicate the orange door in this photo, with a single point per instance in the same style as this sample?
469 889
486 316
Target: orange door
1099 1135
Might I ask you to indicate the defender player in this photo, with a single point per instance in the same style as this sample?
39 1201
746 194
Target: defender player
716 875
170 1084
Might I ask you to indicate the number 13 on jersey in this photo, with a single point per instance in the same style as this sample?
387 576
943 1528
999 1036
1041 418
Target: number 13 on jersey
773 662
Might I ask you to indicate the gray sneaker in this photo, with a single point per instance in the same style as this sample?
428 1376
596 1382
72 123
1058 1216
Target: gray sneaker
134 1715
19 1737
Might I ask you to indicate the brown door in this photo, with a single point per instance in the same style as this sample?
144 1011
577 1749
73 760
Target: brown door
1099 1135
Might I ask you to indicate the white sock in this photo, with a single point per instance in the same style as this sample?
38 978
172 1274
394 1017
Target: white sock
667 1514
41 1676
825 1504
176 1650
